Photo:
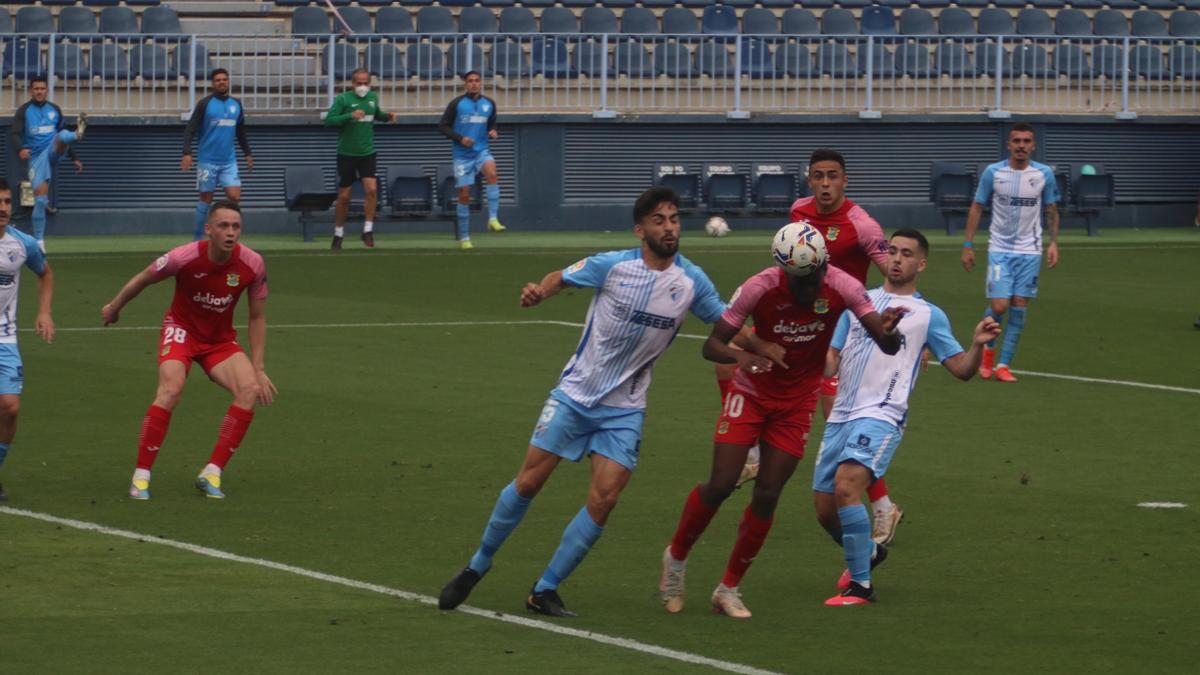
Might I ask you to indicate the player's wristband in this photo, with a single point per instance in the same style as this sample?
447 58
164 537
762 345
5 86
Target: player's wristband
967 244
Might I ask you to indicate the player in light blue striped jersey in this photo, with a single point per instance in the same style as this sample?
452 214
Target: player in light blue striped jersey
598 406
1024 198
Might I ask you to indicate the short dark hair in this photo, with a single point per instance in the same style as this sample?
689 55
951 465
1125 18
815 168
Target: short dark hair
651 199
356 71
39 78
1020 126
469 73
913 233
227 204
216 72
4 186
827 155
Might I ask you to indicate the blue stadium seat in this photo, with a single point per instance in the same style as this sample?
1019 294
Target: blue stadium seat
498 3
933 4
86 3
956 21
580 3
559 21
118 21
146 3
36 21
917 21
878 20
1191 4
838 22
508 60
719 20
1049 4
1009 4
756 58
883 65
426 60
674 60
463 58
456 3
993 21
162 20
985 60
794 60
290 3
382 3
518 21
799 21
1111 22
183 56
1032 21
1070 60
77 21
393 20
1185 24
680 21
110 62
618 4
385 61
1087 4
895 4
658 4
6 21
150 62
779 4
1123 4
972 3
434 21
1162 5
1032 60
1072 22
356 17
592 60
23 60
1147 61
820 4
913 60
836 60
597 20
345 60
950 189
477 20
550 58
1185 62
724 191
759 21
69 62
304 191
633 60
639 21
773 192
1108 60
410 191
848 4
312 21
954 60
1146 23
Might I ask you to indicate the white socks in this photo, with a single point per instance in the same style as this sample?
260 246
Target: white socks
339 231
141 474
211 468
368 226
883 505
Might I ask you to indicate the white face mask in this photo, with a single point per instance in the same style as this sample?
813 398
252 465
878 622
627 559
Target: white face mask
362 90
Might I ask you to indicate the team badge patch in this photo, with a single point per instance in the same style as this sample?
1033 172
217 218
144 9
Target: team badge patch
821 306
232 279
723 427
832 234
160 263
166 350
577 266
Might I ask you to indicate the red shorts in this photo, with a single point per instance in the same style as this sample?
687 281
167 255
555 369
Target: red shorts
177 345
780 423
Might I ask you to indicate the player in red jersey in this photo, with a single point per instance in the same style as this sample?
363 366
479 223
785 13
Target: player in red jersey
210 276
771 403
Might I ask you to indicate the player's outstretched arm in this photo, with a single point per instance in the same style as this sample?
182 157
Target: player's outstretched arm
44 324
718 350
748 340
111 313
974 215
964 365
883 328
550 286
258 350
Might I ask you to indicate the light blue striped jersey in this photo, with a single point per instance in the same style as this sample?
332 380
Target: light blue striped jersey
633 318
873 384
1018 197
17 249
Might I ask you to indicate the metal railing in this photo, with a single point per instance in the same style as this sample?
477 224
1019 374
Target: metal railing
610 74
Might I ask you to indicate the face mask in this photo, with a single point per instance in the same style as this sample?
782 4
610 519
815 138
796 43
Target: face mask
362 90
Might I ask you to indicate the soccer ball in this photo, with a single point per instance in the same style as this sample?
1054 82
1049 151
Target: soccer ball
716 227
798 248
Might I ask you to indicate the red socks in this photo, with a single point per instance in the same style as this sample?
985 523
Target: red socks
154 430
233 429
696 517
752 532
878 490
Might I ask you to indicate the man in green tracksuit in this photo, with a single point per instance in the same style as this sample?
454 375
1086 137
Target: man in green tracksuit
355 112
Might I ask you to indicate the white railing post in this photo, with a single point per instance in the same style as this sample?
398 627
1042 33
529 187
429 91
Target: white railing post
998 112
51 80
330 86
737 113
870 113
1125 113
603 113
191 75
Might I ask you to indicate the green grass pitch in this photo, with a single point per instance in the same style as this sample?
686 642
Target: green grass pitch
1023 549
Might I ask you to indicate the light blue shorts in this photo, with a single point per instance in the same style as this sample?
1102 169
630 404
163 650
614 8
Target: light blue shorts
12 372
571 431
465 170
866 440
1013 274
209 176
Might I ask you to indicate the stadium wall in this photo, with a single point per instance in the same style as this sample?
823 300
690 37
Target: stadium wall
572 172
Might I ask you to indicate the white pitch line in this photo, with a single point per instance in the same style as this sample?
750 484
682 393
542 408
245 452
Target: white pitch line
624 643
1162 505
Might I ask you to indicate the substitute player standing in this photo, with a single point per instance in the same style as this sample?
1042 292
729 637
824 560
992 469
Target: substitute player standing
17 250
642 297
210 277
769 406
1022 192
470 121
868 417
219 119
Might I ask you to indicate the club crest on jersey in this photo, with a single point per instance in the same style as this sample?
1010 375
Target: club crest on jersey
832 233
51 114
821 306
233 280
577 266
165 350
160 263
723 427
674 291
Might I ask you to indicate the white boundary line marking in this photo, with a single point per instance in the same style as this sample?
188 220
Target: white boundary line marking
1162 505
623 643
573 324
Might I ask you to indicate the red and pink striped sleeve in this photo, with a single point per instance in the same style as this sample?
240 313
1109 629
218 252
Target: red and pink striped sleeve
851 290
257 290
169 263
870 235
746 297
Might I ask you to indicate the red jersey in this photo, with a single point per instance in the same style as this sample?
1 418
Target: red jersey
852 237
803 330
205 292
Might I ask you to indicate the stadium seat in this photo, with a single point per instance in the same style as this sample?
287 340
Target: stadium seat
680 21
86 3
912 59
1072 22
1162 5
835 60
70 63
838 22
592 60
819 4
724 191
956 21
773 188
150 62
1009 4
933 4
954 60
756 58
658 4
499 3
381 3
1070 60
477 20
972 3
1092 193
1146 23
345 60
1123 4
385 61
760 21
1032 21
37 21
878 20
426 61
580 3
633 60
719 20
1087 4
410 191
508 60
893 4
598 20
356 17
162 20
950 189
310 21
883 65
559 21
799 21
844 4
1191 4
550 58
6 21
393 20
77 21
110 62
618 4
794 60
434 21
1185 24
304 191
517 21
712 59
463 58
1049 4
993 21
639 21
1147 61
1108 60
1111 22
917 21
1032 60
456 3
23 60
674 60
1185 62
985 59
182 60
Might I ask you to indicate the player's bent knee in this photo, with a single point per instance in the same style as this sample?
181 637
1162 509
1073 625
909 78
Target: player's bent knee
9 406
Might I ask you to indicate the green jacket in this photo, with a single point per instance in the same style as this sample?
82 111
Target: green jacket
356 138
